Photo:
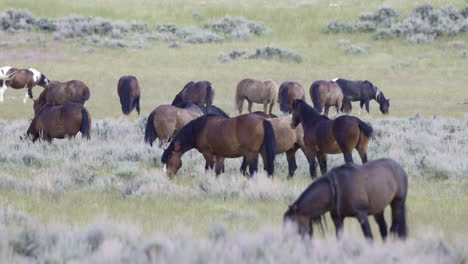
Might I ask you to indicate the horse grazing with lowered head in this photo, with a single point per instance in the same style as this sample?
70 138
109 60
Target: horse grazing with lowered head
217 138
354 191
166 120
325 94
324 136
201 92
288 92
63 121
255 91
364 91
19 79
59 93
128 89
288 140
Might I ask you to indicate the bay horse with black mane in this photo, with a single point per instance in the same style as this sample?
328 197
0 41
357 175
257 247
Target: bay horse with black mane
217 138
201 92
354 191
59 93
63 121
324 136
364 91
19 79
287 93
128 89
325 94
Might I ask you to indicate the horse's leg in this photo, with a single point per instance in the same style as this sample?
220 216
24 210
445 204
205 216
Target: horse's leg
327 108
2 91
380 219
362 150
322 160
338 221
312 166
240 105
250 105
265 106
253 166
398 226
137 105
243 167
364 221
209 160
219 167
367 105
292 166
271 107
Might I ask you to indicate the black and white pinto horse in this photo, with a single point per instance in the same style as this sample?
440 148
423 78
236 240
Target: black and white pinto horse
21 78
363 91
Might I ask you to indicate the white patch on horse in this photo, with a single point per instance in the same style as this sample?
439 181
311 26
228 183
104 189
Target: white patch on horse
36 74
2 91
334 80
4 71
377 94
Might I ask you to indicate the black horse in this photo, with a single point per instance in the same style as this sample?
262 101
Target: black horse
363 91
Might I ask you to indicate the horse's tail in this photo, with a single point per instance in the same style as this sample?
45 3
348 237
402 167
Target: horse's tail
239 99
346 105
126 99
150 131
85 124
284 103
209 95
402 227
366 128
86 94
316 96
269 146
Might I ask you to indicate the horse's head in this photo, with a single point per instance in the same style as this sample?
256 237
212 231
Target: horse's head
37 105
171 159
43 81
384 103
296 112
302 224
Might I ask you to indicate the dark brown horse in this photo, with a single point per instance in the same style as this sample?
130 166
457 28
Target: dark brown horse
19 79
129 94
217 138
324 136
63 121
355 191
325 94
364 91
59 93
201 92
287 93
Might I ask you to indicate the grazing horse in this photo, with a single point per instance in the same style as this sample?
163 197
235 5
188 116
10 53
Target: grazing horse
201 92
325 94
324 136
21 78
288 92
288 140
129 94
59 93
60 122
254 91
217 138
355 191
364 91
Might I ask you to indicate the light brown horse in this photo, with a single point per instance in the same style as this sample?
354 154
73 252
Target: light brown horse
355 191
255 91
59 93
325 94
201 92
63 121
166 120
288 92
288 140
128 89
19 79
324 136
217 138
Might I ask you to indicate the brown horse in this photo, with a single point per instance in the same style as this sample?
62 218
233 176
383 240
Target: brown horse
60 122
323 136
327 94
217 138
129 94
19 79
201 92
265 115
254 91
59 93
355 191
288 92
288 140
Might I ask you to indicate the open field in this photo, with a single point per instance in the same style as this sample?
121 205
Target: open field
107 199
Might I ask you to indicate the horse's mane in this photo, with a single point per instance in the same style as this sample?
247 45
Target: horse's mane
43 107
186 136
309 114
214 110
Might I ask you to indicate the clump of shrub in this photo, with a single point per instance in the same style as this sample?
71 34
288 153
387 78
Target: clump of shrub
237 28
422 25
189 34
268 52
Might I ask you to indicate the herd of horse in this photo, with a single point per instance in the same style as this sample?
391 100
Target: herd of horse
192 121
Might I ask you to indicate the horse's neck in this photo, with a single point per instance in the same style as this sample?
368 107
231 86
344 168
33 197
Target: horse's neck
377 94
316 201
